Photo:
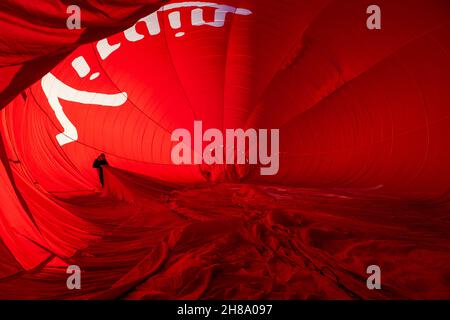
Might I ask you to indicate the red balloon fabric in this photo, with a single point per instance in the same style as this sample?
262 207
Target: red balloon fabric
360 108
34 39
363 122
35 36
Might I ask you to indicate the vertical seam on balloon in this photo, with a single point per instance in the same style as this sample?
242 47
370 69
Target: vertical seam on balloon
225 68
172 63
263 93
129 99
164 36
369 69
132 103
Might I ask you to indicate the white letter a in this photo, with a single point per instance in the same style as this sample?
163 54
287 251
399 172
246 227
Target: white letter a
74 281
374 281
374 20
181 152
74 20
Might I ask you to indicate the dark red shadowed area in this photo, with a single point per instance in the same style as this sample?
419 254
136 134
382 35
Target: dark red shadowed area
241 241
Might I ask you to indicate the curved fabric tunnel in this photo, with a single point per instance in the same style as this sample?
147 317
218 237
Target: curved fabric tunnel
356 108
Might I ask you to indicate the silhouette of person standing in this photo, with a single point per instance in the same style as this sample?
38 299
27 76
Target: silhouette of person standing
98 163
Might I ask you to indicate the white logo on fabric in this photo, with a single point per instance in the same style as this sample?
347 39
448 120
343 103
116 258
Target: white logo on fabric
374 281
73 22
56 90
74 280
238 146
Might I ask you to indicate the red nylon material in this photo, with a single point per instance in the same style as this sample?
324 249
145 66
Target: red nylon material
364 126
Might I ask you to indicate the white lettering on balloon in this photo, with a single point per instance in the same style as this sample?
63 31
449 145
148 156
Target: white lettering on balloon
55 90
153 26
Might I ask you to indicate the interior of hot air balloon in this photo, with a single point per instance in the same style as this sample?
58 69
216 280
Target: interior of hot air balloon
363 179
